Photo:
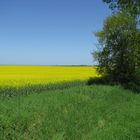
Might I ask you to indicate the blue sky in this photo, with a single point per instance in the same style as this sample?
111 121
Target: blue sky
49 32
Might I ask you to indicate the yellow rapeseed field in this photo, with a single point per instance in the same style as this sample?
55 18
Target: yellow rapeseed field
17 76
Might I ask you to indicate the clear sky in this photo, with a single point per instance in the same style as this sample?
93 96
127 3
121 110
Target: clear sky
49 32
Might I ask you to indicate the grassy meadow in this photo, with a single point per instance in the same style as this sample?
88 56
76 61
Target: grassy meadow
77 113
60 106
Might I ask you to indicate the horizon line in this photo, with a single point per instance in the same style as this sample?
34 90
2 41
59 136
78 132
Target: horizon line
42 65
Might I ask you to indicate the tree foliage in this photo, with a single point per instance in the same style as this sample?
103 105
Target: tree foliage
131 6
119 53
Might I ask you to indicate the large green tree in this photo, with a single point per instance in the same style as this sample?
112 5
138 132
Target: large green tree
119 53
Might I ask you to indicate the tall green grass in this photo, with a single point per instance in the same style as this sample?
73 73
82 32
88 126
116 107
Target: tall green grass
77 113
9 91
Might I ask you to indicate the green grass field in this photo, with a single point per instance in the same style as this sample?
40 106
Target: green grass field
78 113
66 109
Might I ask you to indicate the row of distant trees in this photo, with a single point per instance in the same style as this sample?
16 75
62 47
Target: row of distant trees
118 53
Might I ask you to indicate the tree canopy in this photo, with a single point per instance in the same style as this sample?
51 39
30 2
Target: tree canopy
131 6
119 53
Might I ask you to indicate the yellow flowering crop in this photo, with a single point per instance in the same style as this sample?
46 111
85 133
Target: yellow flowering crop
22 75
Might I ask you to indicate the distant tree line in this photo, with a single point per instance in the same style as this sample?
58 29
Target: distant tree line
118 53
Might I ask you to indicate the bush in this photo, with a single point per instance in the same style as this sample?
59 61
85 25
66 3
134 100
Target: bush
100 80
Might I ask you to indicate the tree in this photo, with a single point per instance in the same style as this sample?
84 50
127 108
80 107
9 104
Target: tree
118 56
119 53
131 6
